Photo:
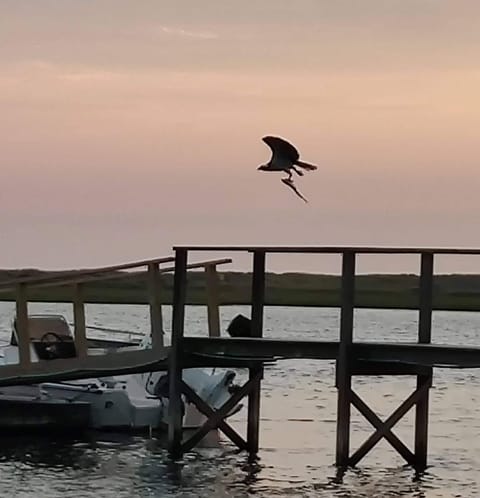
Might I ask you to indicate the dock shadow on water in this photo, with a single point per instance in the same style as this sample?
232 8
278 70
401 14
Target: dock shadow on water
117 465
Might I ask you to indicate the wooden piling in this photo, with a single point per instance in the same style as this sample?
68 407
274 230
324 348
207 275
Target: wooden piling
256 373
424 337
213 311
344 377
79 321
22 325
155 306
175 415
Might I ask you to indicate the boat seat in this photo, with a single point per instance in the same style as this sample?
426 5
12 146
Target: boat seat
50 335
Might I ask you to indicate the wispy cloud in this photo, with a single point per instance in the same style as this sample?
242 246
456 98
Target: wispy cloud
177 31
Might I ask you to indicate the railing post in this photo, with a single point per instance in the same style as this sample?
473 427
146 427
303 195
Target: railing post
175 357
258 298
343 374
213 311
155 302
424 337
22 325
79 321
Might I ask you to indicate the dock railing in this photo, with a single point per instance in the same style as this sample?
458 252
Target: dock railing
77 279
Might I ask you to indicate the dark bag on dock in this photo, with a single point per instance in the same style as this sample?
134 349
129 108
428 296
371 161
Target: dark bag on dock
240 326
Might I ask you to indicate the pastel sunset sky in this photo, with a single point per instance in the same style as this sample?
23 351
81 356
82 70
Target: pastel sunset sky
128 127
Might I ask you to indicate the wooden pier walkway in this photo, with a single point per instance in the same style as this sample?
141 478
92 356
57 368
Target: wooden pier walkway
254 352
352 358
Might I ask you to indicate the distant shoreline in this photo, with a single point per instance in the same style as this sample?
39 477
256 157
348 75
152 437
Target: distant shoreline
455 292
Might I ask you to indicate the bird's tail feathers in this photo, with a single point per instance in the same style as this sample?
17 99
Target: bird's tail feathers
307 166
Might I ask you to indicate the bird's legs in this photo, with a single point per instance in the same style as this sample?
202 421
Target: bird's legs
289 179
290 174
298 171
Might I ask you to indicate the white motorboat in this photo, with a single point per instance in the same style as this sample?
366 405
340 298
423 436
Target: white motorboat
134 402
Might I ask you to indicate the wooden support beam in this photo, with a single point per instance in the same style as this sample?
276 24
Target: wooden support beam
61 279
175 359
215 417
258 293
74 276
79 321
332 249
256 373
362 367
426 299
343 373
419 356
386 426
365 410
424 337
155 306
213 311
22 325
101 365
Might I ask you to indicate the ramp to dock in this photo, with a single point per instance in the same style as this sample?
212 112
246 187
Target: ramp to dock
87 363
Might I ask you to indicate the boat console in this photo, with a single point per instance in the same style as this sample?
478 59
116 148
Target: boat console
50 336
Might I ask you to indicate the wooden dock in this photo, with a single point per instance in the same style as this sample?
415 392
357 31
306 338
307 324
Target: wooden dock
254 352
351 358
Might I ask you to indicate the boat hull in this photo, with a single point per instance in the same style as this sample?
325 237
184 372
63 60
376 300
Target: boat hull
27 414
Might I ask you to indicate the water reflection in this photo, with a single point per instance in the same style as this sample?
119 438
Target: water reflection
113 465
55 452
390 482
298 422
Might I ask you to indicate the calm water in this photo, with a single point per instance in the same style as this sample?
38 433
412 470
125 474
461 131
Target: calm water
297 428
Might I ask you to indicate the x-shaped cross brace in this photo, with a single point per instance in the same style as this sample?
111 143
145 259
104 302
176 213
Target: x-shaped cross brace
215 418
384 429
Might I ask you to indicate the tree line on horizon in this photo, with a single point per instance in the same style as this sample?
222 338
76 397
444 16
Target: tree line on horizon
451 291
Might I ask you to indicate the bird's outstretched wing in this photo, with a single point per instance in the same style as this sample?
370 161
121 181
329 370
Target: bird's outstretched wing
282 147
289 183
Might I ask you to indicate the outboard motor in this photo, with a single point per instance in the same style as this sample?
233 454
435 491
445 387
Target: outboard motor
161 387
158 386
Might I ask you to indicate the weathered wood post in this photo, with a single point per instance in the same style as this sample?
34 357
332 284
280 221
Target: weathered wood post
175 415
155 306
424 337
258 298
213 311
343 374
79 321
22 325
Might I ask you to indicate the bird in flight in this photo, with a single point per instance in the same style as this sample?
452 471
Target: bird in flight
285 157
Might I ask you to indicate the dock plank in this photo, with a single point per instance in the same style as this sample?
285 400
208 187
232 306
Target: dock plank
434 355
